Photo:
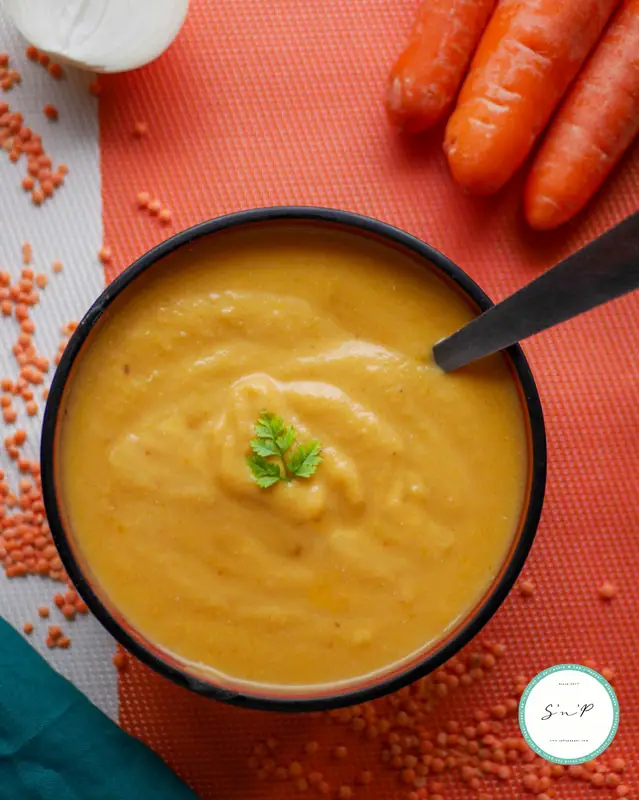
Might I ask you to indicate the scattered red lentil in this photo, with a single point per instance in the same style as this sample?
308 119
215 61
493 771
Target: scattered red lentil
120 660
105 255
50 112
164 215
607 590
295 769
43 611
57 267
28 627
140 129
56 71
8 77
526 588
55 632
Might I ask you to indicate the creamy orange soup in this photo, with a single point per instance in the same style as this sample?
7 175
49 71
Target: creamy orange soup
395 537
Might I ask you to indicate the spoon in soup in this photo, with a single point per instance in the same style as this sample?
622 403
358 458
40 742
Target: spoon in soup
606 268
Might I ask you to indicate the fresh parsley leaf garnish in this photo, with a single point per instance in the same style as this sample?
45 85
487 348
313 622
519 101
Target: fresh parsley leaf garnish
305 458
266 473
275 440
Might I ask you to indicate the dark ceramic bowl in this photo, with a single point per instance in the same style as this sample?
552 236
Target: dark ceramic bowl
310 698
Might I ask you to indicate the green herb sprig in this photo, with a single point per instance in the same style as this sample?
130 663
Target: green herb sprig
273 441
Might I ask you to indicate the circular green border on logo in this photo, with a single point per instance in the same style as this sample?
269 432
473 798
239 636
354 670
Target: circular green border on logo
575 668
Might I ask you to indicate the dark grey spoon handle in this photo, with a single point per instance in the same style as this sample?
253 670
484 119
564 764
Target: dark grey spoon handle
605 269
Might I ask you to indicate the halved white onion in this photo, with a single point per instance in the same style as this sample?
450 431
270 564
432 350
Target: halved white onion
100 35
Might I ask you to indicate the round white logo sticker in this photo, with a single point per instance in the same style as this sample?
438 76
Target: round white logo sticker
569 714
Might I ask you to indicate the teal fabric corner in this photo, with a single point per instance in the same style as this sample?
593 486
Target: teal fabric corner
56 745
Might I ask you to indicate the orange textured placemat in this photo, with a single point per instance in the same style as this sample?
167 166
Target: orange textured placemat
263 103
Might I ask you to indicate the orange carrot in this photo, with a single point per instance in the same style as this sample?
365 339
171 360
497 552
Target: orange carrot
529 54
593 128
427 76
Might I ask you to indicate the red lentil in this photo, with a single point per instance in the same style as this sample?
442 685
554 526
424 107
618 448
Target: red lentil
140 129
28 627
607 590
105 255
56 71
120 660
50 112
527 588
55 632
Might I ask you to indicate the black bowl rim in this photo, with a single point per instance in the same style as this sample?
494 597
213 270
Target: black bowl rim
430 661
